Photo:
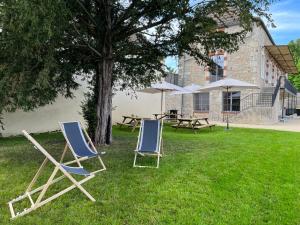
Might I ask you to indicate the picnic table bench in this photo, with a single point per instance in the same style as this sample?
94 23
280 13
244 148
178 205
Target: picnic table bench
193 123
131 121
171 116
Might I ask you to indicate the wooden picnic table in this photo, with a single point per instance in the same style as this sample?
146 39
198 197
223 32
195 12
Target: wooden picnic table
163 115
193 123
131 121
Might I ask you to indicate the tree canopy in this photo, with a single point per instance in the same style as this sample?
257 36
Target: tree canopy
295 49
44 44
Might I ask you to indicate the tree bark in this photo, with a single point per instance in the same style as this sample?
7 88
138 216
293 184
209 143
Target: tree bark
103 133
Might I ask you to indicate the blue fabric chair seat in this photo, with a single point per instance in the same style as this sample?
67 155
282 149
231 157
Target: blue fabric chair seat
90 154
76 170
74 135
150 136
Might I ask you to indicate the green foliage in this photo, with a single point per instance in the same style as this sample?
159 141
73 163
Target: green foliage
295 49
44 43
89 111
241 177
32 70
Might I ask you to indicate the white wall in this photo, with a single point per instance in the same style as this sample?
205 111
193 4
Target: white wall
46 118
143 106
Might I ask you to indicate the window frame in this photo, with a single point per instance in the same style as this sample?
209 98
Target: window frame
231 99
199 102
263 65
173 79
217 68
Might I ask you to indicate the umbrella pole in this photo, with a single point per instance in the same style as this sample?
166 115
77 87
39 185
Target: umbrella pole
227 110
161 101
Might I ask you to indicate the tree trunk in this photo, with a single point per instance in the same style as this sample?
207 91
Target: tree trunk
103 133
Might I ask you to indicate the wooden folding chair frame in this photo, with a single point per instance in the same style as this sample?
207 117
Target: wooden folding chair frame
42 189
69 146
158 154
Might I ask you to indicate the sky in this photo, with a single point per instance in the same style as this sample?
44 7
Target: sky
286 16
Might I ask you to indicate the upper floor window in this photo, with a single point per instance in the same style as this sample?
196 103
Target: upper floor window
217 70
172 78
201 102
263 65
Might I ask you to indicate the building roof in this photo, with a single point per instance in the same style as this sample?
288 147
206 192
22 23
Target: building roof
284 57
281 53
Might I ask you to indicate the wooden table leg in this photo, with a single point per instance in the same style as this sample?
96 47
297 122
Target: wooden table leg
124 119
134 125
206 120
193 126
178 125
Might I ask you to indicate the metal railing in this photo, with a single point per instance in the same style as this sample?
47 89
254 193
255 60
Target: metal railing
256 100
262 102
287 85
277 88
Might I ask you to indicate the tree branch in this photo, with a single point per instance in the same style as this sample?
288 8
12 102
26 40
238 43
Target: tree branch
126 13
151 25
90 47
87 12
143 11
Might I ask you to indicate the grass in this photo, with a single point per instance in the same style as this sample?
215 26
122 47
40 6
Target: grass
243 176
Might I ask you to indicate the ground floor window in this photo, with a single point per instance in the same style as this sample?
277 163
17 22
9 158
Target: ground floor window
231 101
201 102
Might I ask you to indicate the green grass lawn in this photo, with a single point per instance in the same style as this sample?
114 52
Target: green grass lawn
243 176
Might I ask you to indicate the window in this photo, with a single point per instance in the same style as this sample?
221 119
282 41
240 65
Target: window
172 78
231 101
267 71
270 72
201 102
217 71
263 65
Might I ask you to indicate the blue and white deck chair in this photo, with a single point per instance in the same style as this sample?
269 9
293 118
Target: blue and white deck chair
66 171
149 141
79 142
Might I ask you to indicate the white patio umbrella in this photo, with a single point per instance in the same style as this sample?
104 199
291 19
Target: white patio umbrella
161 87
226 84
189 89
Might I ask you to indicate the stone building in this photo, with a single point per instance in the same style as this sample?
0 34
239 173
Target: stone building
258 61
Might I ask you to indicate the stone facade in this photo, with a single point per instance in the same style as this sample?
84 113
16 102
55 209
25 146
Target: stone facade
251 63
